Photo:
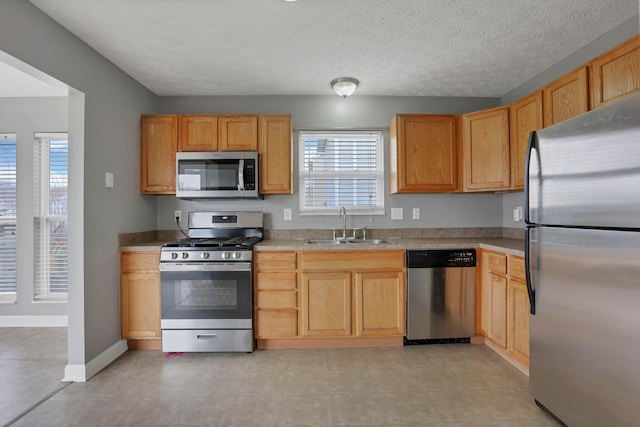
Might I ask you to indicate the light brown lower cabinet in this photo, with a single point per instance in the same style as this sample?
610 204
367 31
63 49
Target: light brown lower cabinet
504 303
498 324
380 303
518 321
140 295
353 293
329 295
326 304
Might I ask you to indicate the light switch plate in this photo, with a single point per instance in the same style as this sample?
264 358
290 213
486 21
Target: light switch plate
416 213
287 214
397 213
108 179
517 214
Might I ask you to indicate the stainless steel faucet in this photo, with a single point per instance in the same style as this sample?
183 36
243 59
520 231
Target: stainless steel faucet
343 212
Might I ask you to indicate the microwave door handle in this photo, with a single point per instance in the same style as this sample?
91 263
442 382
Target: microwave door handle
241 175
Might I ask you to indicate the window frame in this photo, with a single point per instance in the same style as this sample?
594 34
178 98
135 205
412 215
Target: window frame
378 174
43 289
12 296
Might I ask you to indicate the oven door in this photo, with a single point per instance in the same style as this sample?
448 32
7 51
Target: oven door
206 296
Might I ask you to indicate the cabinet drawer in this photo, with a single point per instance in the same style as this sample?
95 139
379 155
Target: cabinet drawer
276 323
140 261
353 260
276 281
516 268
277 299
497 263
275 261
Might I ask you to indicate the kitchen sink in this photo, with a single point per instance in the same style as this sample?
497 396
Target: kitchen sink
330 242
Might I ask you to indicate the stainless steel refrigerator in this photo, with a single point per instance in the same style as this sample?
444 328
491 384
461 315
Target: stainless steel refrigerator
582 253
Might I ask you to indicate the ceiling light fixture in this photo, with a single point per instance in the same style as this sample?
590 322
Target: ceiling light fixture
344 86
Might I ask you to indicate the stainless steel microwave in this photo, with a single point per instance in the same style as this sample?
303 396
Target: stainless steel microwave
217 175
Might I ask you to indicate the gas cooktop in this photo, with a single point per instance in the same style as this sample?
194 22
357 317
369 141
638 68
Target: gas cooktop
214 243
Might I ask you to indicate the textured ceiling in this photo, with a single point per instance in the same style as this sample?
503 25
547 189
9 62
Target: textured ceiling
394 47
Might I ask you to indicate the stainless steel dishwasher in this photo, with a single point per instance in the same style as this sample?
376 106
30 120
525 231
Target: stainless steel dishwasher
440 296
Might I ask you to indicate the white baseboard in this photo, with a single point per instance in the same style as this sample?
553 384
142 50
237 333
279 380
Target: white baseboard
82 373
34 321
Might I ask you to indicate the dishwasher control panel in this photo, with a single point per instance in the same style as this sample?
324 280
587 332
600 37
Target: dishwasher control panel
430 258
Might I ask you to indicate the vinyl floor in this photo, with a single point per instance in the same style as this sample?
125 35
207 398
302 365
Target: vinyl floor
443 385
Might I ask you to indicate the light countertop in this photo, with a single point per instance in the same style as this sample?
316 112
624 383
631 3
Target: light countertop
505 245
509 246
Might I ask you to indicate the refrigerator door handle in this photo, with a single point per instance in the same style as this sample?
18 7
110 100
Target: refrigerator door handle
528 267
530 149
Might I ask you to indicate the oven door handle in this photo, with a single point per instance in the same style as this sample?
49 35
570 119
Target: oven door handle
210 266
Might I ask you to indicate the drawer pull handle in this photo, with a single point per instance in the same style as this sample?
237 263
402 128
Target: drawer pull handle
205 337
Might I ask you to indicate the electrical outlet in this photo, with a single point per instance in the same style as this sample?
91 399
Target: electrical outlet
287 214
397 213
416 213
177 214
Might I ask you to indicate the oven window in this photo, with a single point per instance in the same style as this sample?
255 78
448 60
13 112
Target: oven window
206 294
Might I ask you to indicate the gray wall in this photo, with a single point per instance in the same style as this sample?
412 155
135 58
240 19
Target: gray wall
333 112
113 102
25 117
621 33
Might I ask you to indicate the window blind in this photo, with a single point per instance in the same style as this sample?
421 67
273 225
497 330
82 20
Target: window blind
8 205
50 165
341 169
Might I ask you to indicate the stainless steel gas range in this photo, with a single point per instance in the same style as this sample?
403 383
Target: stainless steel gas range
206 284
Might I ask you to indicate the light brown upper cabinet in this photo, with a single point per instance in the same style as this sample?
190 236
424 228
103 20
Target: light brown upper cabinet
238 132
198 133
274 149
158 144
525 116
615 73
423 154
485 143
566 97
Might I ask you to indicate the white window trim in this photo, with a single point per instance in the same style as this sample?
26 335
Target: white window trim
11 296
43 293
352 210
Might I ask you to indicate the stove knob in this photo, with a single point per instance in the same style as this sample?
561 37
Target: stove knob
185 255
237 255
225 255
174 255
204 255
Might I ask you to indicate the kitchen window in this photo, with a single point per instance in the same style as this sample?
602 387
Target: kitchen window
51 173
342 168
8 206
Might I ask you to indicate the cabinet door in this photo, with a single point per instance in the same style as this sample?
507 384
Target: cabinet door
238 133
616 73
566 97
518 320
326 304
525 117
484 304
198 133
486 150
498 323
158 144
423 154
275 150
380 303
140 305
